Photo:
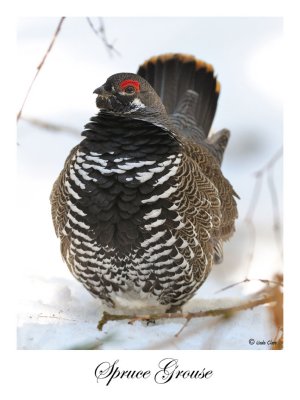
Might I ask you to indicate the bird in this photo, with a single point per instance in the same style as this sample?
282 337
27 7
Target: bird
141 206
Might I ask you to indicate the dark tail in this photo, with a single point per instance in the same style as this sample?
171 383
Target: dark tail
171 75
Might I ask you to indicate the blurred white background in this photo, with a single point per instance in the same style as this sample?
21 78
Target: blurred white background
247 56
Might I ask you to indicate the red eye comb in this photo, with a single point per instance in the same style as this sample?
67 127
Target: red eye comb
129 82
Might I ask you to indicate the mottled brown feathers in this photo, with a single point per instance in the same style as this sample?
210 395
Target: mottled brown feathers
59 197
225 193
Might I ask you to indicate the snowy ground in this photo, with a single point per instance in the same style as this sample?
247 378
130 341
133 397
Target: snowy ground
55 311
62 315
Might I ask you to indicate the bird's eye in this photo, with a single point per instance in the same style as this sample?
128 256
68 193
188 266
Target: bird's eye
130 86
129 89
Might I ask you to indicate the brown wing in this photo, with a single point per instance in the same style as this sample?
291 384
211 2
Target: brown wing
59 207
210 168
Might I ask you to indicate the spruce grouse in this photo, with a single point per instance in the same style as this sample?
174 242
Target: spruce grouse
141 206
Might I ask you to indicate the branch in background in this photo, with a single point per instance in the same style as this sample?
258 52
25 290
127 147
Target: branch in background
276 213
249 304
51 126
101 32
249 219
268 282
266 169
55 317
39 67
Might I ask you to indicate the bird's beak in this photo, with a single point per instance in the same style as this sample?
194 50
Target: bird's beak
100 90
103 98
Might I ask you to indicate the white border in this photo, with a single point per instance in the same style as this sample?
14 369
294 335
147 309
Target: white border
237 374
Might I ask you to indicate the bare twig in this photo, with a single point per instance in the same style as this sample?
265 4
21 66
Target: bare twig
273 160
249 304
246 280
101 32
259 174
255 195
268 169
274 198
183 327
96 32
249 217
39 67
50 126
276 213
55 317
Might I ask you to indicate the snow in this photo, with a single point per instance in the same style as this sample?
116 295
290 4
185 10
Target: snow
55 311
61 315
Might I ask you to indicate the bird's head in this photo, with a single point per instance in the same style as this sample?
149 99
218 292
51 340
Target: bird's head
127 93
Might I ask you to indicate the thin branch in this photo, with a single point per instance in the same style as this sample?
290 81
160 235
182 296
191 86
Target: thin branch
246 280
259 174
251 248
50 126
96 32
255 195
274 198
249 217
39 67
276 213
249 304
55 317
272 161
101 32
183 327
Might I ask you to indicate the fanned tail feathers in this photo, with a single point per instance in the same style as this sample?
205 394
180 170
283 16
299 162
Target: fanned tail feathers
172 75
